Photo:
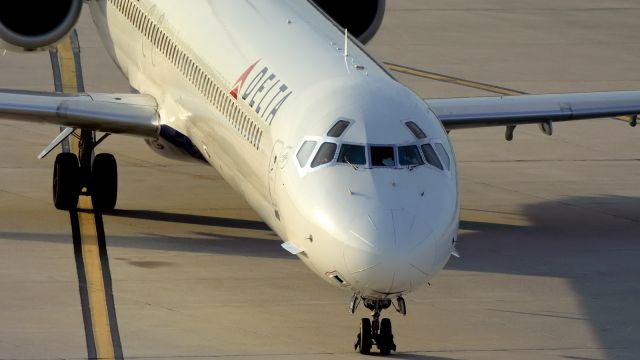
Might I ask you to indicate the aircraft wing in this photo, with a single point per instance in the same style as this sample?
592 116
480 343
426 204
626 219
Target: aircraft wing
130 114
460 113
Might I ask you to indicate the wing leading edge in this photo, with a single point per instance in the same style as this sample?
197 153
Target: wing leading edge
129 114
510 111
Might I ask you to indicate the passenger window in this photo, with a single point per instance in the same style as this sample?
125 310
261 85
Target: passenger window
409 156
352 154
338 129
431 156
305 152
325 154
382 156
444 155
415 129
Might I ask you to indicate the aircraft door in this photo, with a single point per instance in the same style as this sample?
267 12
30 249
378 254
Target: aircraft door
274 169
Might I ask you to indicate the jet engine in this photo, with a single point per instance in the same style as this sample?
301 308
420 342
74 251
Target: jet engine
361 17
29 25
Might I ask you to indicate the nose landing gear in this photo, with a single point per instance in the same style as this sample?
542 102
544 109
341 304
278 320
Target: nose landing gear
375 331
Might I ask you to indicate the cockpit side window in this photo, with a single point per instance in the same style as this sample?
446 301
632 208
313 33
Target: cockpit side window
444 155
409 156
352 154
415 129
382 156
325 154
305 152
431 156
338 129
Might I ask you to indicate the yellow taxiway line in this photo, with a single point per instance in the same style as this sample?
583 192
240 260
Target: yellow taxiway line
95 281
103 341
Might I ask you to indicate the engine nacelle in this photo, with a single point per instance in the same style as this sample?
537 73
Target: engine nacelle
28 25
361 17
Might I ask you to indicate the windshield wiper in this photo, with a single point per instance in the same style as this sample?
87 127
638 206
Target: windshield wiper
353 166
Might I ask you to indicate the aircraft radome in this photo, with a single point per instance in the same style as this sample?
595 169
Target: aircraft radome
348 166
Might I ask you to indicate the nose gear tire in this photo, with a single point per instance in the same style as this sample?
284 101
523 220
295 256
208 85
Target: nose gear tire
364 341
385 338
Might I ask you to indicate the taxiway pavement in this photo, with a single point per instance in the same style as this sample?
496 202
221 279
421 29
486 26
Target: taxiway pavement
550 226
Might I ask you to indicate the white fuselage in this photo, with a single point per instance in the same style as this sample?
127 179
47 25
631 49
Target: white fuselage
244 84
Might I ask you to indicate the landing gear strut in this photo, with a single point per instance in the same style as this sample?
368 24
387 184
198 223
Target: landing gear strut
375 331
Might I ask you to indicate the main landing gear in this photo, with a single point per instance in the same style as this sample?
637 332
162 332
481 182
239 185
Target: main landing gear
375 331
82 174
85 175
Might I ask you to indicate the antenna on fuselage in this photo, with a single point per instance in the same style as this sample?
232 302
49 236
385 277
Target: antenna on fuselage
346 42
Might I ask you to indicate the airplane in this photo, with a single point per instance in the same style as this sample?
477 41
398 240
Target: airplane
349 167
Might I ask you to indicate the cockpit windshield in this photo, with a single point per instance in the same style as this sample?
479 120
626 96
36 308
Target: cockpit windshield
422 151
431 156
382 156
352 154
325 154
374 156
409 156
443 155
305 152
338 129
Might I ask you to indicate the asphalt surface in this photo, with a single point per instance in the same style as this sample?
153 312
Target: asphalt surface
550 228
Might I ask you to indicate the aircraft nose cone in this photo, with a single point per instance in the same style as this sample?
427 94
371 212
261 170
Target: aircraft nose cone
387 231
388 252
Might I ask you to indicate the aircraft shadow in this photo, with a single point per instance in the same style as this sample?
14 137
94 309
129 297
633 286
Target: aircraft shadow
189 219
593 242
212 242
201 242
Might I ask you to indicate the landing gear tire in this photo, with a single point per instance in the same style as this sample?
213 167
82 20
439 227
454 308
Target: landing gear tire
364 341
375 332
66 181
104 182
385 338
